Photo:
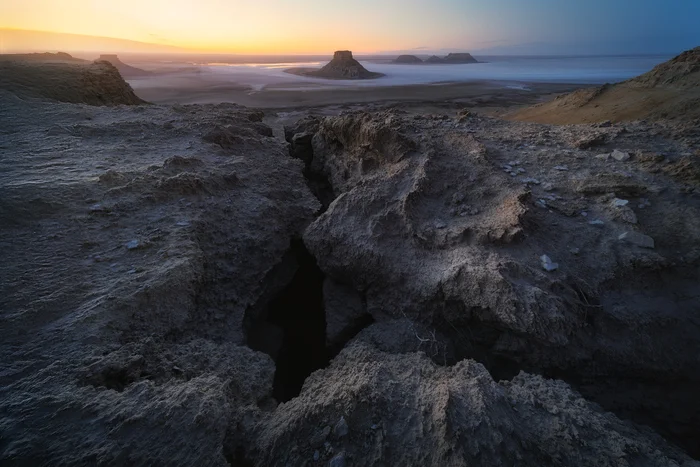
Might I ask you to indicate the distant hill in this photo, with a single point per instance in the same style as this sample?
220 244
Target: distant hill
460 58
63 78
408 59
670 90
23 41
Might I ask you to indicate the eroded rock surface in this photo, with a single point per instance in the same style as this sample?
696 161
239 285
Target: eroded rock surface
403 407
158 306
446 223
133 248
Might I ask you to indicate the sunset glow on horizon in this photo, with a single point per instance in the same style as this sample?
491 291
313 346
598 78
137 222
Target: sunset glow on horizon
364 26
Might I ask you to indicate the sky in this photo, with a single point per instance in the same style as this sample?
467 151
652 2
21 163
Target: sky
372 26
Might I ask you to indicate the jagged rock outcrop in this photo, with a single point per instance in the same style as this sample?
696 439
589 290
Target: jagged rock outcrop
407 59
670 91
127 71
425 414
343 66
427 225
87 83
138 249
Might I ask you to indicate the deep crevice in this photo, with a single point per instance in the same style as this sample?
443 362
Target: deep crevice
292 328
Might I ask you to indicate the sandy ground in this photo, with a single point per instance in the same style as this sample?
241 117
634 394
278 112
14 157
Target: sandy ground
192 88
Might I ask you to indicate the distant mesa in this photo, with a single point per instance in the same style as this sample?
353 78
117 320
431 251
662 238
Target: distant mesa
460 58
343 66
127 71
435 59
450 59
408 59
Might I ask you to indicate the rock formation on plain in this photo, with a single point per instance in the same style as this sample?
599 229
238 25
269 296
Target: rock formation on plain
127 71
173 293
407 59
452 58
343 66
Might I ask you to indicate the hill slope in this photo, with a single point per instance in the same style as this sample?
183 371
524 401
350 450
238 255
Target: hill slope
670 90
65 79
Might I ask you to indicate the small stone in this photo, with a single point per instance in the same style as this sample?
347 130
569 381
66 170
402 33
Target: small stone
636 238
596 222
575 251
132 245
541 203
520 170
513 174
530 181
547 186
603 157
508 167
341 428
619 203
338 461
547 263
374 426
561 167
182 224
440 225
584 213
514 162
317 456
620 156
97 208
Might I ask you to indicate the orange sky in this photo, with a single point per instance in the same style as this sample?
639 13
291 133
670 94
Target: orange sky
238 26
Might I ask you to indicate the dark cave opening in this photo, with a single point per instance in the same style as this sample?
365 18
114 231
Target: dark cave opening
292 330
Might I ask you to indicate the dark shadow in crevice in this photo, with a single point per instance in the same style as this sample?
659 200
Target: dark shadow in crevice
236 457
292 329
